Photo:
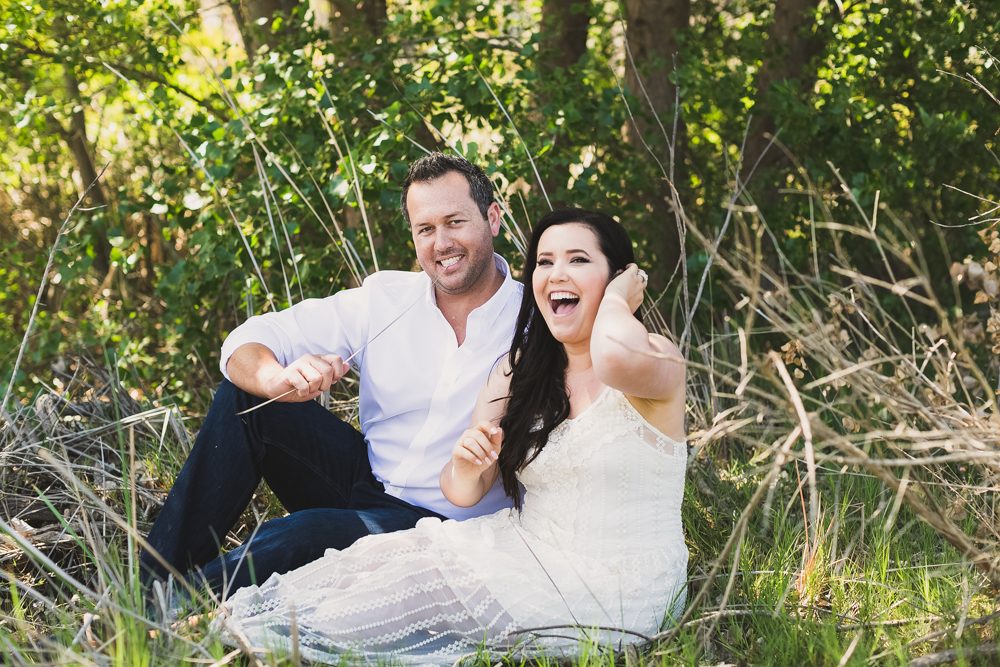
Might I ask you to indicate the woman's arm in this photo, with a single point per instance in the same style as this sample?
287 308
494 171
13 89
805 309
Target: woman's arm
472 470
625 355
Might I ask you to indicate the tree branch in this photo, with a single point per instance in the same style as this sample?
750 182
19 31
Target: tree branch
87 63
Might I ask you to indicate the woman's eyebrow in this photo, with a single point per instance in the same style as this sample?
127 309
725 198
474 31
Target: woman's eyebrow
570 251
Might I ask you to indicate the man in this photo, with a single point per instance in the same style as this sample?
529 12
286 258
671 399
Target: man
419 377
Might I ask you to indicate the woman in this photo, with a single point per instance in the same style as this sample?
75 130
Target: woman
583 423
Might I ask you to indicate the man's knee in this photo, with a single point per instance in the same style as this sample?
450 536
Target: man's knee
229 394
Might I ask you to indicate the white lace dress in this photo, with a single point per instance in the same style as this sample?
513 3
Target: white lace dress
598 545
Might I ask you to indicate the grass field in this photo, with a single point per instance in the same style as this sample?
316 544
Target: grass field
840 505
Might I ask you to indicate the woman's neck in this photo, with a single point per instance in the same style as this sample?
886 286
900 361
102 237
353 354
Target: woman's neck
578 358
582 384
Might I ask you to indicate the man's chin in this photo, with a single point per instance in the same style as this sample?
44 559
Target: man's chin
459 282
451 285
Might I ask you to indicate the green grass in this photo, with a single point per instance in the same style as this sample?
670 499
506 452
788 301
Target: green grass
866 589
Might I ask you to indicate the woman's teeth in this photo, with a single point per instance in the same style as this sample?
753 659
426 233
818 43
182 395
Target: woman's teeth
563 301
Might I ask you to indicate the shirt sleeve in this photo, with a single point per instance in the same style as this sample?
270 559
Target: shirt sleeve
337 324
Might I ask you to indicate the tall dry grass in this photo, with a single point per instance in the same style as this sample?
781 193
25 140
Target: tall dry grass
844 458
809 378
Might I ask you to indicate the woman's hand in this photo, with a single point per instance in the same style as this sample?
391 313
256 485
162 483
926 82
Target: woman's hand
477 449
630 285
472 469
625 355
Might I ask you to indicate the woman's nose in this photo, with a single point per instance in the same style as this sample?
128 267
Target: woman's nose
558 273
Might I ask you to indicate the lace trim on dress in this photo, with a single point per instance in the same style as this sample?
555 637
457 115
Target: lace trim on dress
651 435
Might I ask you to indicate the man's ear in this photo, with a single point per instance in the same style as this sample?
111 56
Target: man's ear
493 216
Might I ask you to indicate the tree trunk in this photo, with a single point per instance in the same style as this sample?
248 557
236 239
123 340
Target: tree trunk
562 43
150 238
652 34
252 11
792 44
563 35
246 34
356 21
355 26
79 145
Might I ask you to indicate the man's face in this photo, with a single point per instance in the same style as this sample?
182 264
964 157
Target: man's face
454 243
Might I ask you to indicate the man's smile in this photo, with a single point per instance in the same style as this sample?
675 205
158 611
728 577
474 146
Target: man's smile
449 262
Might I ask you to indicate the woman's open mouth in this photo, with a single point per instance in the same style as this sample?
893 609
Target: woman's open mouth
563 303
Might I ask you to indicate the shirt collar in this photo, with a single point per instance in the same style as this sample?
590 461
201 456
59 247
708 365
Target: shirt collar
489 310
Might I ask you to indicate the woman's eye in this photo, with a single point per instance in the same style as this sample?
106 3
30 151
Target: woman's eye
544 262
580 260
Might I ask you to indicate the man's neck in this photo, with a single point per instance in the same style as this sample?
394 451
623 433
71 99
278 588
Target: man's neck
456 307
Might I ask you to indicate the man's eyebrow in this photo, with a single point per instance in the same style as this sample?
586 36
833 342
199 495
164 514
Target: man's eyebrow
446 216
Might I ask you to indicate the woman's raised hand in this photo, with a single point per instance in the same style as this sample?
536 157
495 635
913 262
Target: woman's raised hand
630 284
477 449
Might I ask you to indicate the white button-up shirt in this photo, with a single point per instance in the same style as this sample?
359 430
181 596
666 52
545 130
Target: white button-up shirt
418 386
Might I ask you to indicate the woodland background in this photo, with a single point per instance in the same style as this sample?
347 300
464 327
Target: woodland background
811 184
255 148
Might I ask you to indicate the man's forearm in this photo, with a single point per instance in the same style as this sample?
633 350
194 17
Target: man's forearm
250 366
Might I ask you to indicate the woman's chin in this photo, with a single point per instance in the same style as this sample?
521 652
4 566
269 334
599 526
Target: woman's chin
567 335
566 329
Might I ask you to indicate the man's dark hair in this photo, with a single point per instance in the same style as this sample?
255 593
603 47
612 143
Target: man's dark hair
436 165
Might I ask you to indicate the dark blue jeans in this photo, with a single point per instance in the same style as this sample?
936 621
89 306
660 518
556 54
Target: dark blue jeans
317 466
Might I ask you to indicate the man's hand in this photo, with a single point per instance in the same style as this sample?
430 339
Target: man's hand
309 376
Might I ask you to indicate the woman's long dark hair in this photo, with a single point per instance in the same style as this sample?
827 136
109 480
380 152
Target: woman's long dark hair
538 401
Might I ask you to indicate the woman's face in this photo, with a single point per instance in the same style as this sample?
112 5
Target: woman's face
570 276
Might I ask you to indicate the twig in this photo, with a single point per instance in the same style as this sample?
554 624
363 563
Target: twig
985 561
937 633
527 151
807 438
954 654
348 359
211 179
606 628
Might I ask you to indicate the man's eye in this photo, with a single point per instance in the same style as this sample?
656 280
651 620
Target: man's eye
425 230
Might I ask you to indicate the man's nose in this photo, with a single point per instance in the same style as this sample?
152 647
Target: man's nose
443 240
